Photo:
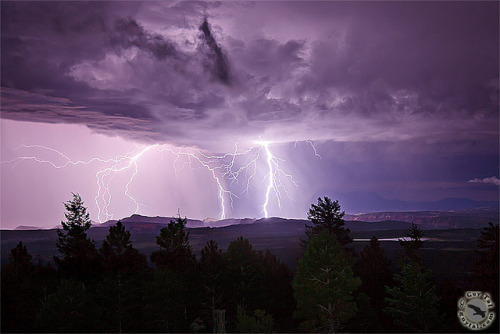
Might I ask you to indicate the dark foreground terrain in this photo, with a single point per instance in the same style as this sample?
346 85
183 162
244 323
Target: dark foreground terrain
152 274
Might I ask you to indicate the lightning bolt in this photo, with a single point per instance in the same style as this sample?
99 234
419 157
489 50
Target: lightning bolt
271 178
225 169
313 148
274 176
121 163
222 192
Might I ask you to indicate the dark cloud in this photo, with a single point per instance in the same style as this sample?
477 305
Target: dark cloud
23 105
130 33
219 62
334 71
400 98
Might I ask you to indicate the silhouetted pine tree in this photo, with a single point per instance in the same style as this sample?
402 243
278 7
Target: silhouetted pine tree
212 270
79 254
242 274
20 259
324 285
326 215
276 292
258 322
118 255
119 292
19 297
175 252
373 269
171 302
71 309
172 297
486 269
413 303
412 242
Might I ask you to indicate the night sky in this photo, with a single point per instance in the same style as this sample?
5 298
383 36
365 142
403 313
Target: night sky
399 99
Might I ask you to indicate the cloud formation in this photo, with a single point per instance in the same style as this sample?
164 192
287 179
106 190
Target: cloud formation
209 74
220 65
400 98
488 180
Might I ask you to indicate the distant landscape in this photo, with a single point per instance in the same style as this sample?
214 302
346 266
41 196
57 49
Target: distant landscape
372 202
450 234
154 264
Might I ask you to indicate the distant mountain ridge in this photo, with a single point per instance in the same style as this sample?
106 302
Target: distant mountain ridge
471 218
279 235
372 202
140 219
137 221
26 228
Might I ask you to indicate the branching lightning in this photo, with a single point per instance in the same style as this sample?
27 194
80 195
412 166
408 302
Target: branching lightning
313 148
225 169
275 172
272 184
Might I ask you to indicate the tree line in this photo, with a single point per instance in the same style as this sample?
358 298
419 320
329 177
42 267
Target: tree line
334 289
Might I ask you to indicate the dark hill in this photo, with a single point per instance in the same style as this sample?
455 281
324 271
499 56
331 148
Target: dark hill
150 223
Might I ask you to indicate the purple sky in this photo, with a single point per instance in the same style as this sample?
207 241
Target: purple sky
401 100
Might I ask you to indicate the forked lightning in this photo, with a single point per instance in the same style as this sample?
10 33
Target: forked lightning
225 169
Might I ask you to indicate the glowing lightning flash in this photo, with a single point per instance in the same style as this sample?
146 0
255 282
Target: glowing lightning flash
116 168
206 163
271 179
274 176
221 167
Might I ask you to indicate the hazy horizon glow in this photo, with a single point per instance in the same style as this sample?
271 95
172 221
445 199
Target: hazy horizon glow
398 100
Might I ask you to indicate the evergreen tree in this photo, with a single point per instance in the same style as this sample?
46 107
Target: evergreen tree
20 261
412 241
413 302
120 299
242 275
276 292
118 292
258 322
172 297
326 215
71 309
448 293
25 287
212 267
324 285
77 224
170 302
175 252
19 297
486 268
79 255
117 253
212 262
373 269
367 319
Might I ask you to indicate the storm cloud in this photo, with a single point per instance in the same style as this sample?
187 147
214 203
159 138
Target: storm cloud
400 99
333 71
220 65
